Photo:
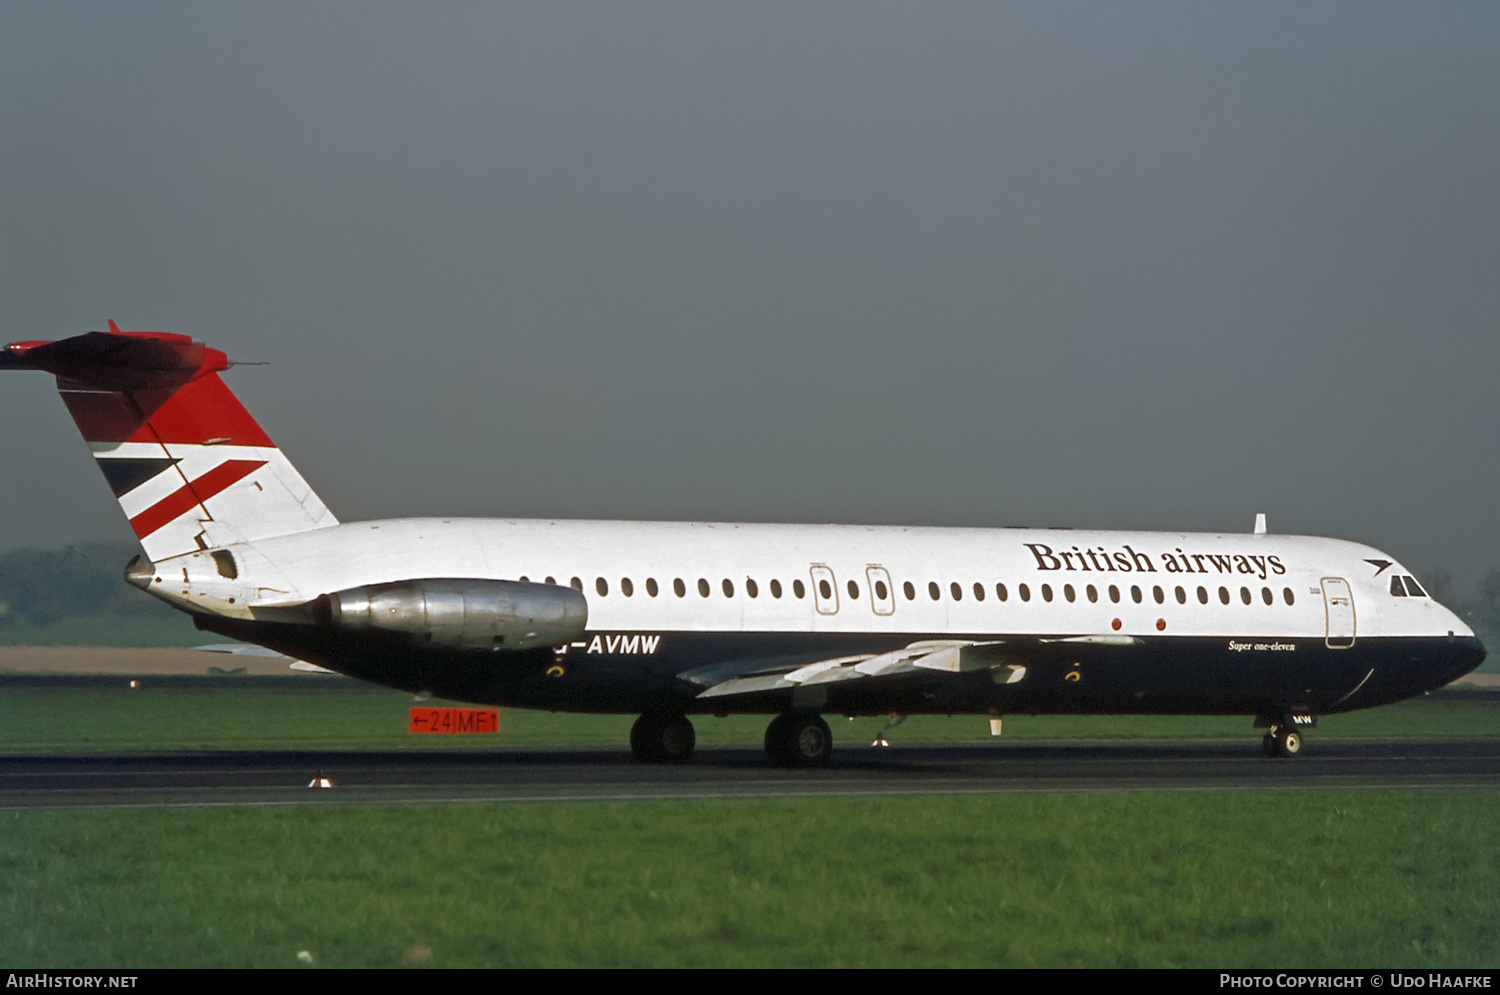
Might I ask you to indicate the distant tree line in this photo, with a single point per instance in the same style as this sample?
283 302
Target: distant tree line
78 595
1482 613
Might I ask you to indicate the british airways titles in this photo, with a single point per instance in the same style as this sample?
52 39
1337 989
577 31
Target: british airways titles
1126 560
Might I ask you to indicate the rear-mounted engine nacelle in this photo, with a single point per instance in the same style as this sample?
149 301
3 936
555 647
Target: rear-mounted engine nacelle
463 614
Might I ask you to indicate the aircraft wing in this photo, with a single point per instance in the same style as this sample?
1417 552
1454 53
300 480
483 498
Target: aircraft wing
248 649
817 683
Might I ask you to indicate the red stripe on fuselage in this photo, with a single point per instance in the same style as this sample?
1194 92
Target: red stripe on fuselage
215 481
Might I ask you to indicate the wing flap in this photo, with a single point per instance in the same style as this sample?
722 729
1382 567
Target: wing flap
1007 659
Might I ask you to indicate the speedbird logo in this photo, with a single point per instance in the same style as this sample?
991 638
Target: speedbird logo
1098 559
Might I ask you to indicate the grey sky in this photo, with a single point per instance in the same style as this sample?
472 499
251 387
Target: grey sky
1105 265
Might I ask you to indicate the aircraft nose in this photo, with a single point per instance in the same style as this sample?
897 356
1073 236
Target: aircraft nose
1468 654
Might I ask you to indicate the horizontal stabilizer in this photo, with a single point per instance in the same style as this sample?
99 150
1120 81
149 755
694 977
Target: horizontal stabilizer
116 360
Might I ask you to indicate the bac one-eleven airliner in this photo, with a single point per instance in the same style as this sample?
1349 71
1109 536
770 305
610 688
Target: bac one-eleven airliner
673 619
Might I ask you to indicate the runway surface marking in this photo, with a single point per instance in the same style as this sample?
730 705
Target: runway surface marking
260 778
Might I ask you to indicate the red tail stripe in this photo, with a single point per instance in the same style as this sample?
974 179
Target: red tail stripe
196 492
196 412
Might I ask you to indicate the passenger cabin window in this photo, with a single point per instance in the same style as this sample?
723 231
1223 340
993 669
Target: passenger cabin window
932 589
679 588
956 591
1025 592
626 587
775 588
1093 593
651 587
602 586
1114 594
853 591
576 585
882 597
1068 592
702 588
1001 592
826 589
1046 592
978 591
751 588
1286 593
728 588
799 590
909 590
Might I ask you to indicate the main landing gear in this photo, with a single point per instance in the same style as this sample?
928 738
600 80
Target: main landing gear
662 739
798 739
794 739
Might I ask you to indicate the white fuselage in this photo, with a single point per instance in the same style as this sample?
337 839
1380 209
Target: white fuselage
934 580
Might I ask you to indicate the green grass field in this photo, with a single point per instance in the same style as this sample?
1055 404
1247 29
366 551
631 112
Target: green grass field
1255 878
47 719
1225 879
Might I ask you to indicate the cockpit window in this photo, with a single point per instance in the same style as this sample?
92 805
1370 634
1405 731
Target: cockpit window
1396 589
1413 588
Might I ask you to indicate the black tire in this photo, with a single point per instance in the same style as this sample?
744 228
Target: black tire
662 739
1283 743
1268 745
775 733
799 740
642 735
676 740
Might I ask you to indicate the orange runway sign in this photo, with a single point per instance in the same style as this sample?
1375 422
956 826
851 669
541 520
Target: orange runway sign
454 720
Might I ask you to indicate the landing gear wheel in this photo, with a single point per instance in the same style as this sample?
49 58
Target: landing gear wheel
1283 743
798 739
662 739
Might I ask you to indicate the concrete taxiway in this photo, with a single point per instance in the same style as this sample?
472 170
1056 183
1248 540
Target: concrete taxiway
220 778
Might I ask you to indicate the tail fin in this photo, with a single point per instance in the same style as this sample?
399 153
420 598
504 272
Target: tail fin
189 466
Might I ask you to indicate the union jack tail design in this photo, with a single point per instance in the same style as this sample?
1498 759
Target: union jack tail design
189 466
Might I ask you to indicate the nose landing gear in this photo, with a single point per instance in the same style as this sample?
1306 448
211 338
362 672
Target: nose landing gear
1282 743
1283 740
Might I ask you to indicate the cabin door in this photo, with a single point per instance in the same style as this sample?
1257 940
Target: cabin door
1338 602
